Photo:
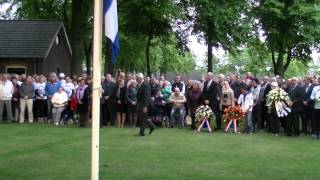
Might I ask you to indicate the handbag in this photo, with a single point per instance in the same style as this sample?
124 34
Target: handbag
188 120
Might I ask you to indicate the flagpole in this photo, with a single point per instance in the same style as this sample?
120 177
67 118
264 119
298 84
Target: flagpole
97 55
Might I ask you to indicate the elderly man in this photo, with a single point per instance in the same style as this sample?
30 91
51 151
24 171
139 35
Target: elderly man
178 100
178 84
143 104
109 88
296 94
52 87
26 92
210 96
6 91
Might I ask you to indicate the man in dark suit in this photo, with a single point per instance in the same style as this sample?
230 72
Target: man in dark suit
308 105
265 116
210 96
109 88
143 104
296 94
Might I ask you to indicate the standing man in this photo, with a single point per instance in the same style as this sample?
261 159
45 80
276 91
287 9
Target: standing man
143 103
6 91
51 87
26 92
256 111
296 94
109 89
265 116
307 106
178 84
210 96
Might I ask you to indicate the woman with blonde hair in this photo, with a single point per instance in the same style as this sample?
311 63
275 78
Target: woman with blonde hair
227 96
121 98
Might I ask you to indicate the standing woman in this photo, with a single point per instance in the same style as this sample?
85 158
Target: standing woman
41 99
83 102
15 99
194 101
121 102
227 97
132 103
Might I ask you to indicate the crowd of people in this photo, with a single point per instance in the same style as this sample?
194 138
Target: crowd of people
131 100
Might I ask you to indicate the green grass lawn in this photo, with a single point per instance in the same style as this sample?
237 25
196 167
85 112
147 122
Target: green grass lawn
45 152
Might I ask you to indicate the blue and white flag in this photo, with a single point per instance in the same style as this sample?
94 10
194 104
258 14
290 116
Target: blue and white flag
110 13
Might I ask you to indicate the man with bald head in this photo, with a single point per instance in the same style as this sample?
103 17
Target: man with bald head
210 96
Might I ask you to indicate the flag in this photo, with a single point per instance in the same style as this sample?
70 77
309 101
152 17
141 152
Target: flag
111 26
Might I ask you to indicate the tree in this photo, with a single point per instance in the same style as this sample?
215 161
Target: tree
291 29
148 18
219 23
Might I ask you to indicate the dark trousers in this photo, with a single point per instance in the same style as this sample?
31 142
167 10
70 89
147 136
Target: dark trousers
41 108
292 123
315 123
193 120
275 124
306 120
144 121
109 113
265 117
216 112
256 117
83 118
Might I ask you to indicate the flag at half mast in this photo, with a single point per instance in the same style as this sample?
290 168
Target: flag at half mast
110 13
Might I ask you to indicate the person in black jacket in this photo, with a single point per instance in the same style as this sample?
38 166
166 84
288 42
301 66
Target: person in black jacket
296 94
110 100
121 99
82 96
308 105
143 103
210 96
265 116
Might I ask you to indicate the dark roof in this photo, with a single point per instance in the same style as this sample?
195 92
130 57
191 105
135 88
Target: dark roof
28 39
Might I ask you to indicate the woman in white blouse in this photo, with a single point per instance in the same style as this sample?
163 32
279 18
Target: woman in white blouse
59 102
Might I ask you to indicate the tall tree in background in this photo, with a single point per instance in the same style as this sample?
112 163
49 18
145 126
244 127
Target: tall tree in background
149 18
291 30
78 25
219 23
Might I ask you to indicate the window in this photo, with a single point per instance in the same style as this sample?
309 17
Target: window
16 69
57 40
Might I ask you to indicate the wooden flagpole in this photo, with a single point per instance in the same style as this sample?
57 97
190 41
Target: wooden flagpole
96 92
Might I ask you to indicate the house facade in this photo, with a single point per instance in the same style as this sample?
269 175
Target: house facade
34 47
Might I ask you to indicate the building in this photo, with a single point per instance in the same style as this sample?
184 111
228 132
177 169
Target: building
33 47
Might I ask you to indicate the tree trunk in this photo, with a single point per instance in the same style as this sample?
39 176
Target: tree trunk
148 55
209 57
88 51
77 32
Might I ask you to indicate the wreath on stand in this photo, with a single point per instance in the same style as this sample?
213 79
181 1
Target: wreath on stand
233 115
203 114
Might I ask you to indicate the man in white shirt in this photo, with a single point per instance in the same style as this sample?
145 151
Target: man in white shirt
6 91
245 101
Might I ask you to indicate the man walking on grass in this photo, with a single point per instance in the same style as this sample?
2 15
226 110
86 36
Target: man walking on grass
143 103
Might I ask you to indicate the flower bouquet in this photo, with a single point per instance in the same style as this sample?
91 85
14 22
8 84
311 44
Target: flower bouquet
278 102
233 114
203 114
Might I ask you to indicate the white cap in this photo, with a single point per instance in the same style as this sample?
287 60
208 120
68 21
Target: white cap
62 75
274 84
